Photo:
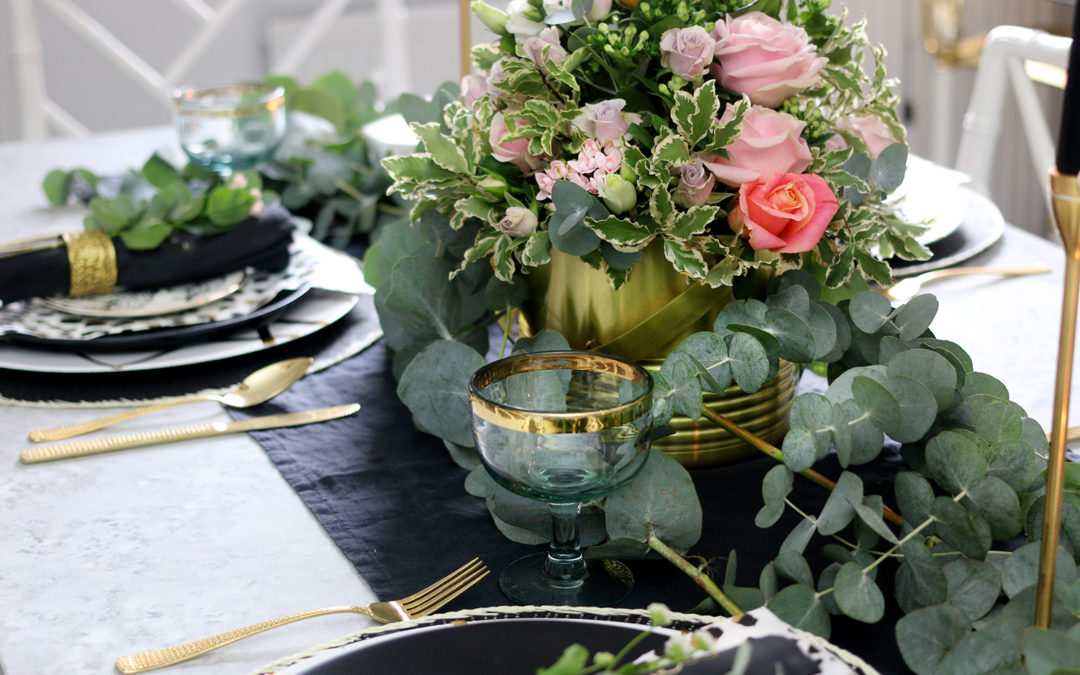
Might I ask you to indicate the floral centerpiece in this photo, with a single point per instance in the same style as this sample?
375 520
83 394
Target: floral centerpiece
731 136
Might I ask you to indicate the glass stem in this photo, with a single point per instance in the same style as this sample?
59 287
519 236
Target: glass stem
565 565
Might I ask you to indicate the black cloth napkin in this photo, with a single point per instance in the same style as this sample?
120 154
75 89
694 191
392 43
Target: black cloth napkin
262 243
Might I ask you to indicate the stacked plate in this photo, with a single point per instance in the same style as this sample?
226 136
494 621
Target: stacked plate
236 314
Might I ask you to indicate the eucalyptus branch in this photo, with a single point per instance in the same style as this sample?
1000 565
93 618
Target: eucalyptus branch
774 452
694 573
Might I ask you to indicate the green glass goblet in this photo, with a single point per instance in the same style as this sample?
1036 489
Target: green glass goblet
562 428
231 127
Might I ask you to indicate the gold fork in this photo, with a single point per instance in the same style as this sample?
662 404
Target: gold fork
906 289
414 606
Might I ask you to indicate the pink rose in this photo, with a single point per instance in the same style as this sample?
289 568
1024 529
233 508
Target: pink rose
769 142
763 58
695 184
870 128
472 88
687 51
605 120
549 37
787 213
514 151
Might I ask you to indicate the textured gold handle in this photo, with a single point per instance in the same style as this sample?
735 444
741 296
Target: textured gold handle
159 658
60 433
47 453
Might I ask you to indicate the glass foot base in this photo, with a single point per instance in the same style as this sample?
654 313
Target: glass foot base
608 582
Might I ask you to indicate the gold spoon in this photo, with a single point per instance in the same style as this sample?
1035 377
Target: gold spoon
906 289
262 385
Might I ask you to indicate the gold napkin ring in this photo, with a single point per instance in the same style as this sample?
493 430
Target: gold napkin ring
92 258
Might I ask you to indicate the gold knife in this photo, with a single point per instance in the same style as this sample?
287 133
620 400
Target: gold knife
47 453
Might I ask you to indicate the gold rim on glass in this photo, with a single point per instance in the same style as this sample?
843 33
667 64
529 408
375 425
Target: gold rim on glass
556 422
189 101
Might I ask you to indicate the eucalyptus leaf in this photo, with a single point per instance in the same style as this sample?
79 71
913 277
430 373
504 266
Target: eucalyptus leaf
888 168
814 413
839 509
930 369
996 502
660 501
914 318
792 565
710 350
434 387
1049 652
876 400
797 343
965 531
991 649
926 636
749 362
858 595
914 496
870 311
775 487
918 410
546 340
872 519
1021 569
973 586
57 187
799 537
954 461
478 482
920 580
800 606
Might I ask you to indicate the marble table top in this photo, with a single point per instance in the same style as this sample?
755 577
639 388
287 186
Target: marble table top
109 555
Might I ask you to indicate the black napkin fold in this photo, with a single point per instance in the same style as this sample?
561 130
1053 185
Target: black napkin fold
262 243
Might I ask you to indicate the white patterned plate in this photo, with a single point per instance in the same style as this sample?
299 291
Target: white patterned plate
155 302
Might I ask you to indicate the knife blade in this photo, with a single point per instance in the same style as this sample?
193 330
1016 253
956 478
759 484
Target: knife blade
48 453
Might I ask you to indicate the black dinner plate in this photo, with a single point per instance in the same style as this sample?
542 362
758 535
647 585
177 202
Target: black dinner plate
518 646
173 336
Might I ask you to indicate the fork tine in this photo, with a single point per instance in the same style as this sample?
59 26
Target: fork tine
464 569
422 606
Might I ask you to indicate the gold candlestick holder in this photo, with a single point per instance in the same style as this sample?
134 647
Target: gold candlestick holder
465 44
1066 200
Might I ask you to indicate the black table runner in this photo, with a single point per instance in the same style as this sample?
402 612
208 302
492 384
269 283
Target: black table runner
394 502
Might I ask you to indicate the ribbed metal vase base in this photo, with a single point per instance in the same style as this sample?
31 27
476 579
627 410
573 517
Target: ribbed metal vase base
764 413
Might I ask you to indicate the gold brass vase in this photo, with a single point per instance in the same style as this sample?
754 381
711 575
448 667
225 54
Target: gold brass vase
644 321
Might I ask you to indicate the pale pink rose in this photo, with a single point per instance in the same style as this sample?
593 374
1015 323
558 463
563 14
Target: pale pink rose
870 128
604 120
786 213
549 37
763 58
472 88
518 221
769 142
495 76
600 10
514 151
687 51
695 184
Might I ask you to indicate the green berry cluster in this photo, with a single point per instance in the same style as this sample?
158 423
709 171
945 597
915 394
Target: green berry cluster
809 112
624 41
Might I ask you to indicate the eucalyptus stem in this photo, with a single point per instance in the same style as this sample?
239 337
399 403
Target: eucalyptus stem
772 451
351 191
694 573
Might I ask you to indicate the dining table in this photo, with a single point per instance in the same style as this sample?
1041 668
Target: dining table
107 555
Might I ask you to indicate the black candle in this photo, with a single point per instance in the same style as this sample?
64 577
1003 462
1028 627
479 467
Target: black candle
1068 155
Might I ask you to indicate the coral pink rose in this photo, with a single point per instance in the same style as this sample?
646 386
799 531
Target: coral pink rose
687 51
786 214
769 142
763 58
515 151
870 128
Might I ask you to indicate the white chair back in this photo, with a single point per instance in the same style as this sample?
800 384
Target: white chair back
39 114
1005 55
